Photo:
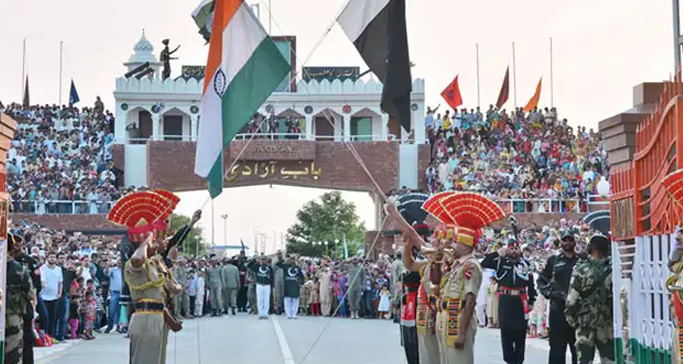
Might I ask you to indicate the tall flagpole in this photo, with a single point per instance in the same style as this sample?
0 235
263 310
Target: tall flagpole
514 72
478 93
23 71
61 45
270 19
552 100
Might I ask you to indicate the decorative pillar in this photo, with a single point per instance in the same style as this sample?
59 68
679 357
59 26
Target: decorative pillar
347 128
418 120
309 127
120 121
385 126
193 127
7 129
155 127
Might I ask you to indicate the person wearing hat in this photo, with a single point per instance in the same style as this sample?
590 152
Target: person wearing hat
419 299
20 298
356 281
216 287
263 275
516 295
589 303
553 283
464 215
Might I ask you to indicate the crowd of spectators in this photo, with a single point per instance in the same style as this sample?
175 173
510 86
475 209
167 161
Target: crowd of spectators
60 155
517 156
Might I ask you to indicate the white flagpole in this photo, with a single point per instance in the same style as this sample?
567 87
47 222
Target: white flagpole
677 35
552 101
23 72
61 45
514 72
478 89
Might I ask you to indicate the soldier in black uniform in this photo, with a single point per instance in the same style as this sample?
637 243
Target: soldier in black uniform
411 283
553 283
516 298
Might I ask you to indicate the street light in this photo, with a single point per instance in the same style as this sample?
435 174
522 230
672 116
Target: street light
225 228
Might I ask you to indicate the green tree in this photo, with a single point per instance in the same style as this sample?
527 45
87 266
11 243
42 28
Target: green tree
194 242
326 220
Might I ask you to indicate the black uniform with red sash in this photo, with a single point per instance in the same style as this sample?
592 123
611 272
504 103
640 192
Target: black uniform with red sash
516 294
411 284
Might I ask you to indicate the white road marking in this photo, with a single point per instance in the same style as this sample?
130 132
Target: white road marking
284 347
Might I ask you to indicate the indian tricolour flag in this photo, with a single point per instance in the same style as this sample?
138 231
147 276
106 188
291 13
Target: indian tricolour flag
243 69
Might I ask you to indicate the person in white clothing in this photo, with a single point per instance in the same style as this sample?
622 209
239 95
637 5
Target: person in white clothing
52 281
264 282
199 301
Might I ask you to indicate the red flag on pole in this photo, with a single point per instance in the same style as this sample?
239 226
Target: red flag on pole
505 90
452 94
534 99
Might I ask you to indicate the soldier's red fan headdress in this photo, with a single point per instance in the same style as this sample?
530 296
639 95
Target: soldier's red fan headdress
143 212
464 214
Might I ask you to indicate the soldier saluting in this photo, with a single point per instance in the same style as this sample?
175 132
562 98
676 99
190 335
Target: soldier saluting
553 283
516 293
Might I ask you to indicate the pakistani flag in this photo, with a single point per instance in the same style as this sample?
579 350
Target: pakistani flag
203 17
243 69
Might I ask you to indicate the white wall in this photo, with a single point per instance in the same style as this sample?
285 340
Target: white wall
407 166
135 169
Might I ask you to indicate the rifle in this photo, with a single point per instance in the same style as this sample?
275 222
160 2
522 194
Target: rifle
175 240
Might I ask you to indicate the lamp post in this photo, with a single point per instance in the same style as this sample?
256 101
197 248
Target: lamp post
225 228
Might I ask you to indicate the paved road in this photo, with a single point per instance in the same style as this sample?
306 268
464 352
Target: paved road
246 340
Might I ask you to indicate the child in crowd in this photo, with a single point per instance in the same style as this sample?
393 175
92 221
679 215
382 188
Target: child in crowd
90 315
384 307
303 299
74 309
99 301
314 297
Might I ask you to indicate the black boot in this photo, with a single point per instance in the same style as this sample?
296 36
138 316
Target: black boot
233 311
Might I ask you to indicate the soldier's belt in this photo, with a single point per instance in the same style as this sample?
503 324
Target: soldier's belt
149 306
508 291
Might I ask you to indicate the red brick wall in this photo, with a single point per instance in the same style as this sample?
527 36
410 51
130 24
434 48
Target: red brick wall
171 166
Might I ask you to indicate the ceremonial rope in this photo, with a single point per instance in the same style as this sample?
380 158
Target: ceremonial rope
327 324
353 152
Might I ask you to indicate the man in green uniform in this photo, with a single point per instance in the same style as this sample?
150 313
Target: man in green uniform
18 295
216 288
278 284
356 282
294 277
181 302
230 278
589 304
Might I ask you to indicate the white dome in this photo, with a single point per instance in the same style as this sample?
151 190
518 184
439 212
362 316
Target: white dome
143 45
143 51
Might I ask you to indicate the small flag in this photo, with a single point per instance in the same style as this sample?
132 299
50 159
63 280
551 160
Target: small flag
378 30
452 94
534 99
243 68
203 17
27 98
504 90
73 94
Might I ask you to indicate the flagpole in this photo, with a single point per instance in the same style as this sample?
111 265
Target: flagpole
478 92
552 101
514 72
23 71
61 45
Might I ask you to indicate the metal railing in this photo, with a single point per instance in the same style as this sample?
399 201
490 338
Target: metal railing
552 206
516 206
62 207
261 135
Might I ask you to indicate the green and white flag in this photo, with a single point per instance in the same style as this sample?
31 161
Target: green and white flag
203 17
